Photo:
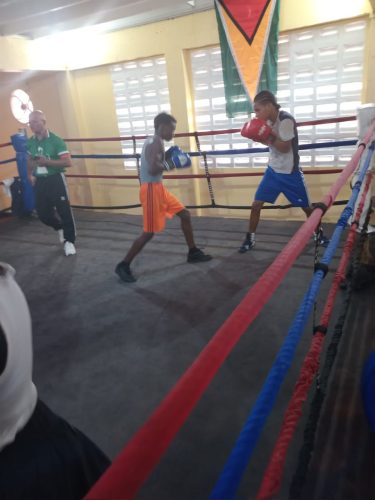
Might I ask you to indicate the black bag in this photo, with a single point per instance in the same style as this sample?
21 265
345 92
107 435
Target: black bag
16 190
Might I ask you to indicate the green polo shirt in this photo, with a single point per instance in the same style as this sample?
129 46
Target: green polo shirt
52 147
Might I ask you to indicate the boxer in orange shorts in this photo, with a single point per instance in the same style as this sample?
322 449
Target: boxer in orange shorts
157 202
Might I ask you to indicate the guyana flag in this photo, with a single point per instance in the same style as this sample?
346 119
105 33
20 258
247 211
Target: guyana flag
248 31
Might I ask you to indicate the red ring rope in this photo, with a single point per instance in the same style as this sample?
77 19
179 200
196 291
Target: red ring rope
210 132
201 176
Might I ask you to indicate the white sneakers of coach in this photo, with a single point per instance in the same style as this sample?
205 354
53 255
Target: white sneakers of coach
69 248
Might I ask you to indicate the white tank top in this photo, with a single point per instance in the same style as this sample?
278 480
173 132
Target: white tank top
145 175
18 394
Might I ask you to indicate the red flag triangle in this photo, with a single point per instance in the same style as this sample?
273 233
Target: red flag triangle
246 15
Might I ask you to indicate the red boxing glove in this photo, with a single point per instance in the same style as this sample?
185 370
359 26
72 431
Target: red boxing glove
257 130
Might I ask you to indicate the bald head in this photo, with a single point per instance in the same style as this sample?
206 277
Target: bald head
37 123
37 114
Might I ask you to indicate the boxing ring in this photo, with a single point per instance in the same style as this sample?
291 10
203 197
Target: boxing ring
238 311
202 154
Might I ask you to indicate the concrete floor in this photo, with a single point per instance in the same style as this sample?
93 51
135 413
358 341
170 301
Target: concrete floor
106 353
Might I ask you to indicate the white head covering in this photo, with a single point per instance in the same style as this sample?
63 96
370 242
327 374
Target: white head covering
18 394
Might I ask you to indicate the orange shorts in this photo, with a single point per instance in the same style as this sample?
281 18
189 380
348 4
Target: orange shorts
158 204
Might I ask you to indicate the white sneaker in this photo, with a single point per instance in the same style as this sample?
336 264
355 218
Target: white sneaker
61 235
69 248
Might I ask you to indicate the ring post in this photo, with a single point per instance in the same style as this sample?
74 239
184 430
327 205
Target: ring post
19 143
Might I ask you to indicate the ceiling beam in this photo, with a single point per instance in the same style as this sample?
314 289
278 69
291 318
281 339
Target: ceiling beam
34 19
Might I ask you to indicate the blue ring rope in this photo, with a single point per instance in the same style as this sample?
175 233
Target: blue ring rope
226 152
230 478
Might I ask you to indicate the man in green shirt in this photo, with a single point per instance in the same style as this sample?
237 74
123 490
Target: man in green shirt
47 161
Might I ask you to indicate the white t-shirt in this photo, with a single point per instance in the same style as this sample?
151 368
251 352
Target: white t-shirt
18 394
284 128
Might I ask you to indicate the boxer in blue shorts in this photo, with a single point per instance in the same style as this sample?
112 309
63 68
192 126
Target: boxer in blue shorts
277 129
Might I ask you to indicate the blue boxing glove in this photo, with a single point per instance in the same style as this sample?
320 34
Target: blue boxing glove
176 158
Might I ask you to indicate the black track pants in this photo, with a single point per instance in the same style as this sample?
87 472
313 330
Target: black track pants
52 204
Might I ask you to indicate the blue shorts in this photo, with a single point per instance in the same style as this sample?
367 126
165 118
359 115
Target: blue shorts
292 186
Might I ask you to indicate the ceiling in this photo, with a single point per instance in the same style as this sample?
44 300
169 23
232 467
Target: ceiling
36 18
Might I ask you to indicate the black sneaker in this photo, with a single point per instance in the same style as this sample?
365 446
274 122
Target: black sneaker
124 273
248 244
198 256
